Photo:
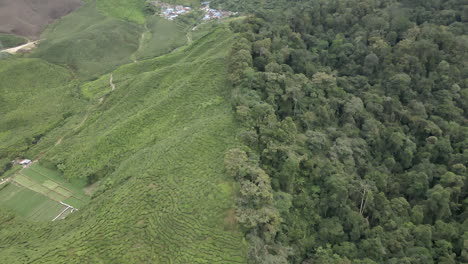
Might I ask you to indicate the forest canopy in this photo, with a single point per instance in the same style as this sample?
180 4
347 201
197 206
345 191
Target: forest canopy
355 130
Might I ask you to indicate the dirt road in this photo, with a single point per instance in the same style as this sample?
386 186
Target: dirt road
28 46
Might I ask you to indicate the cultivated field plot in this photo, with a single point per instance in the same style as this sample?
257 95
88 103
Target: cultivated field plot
49 183
38 194
29 204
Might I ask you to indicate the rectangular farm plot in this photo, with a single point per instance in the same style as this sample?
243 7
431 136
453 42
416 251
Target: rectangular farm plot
48 173
40 189
47 211
50 184
56 196
34 175
54 176
63 192
24 181
73 201
30 184
28 203
53 185
8 191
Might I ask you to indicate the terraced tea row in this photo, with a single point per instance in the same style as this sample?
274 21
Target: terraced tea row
156 144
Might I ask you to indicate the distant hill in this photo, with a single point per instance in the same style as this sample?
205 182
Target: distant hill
28 17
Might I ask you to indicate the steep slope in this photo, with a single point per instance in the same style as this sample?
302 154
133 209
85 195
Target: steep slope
88 42
159 138
8 41
128 10
29 102
28 17
94 40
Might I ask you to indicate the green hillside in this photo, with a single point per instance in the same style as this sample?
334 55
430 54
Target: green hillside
302 132
161 36
8 41
129 10
35 97
155 145
89 43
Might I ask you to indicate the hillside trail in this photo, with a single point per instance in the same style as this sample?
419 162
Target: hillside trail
58 141
140 43
100 100
111 82
189 37
82 121
28 46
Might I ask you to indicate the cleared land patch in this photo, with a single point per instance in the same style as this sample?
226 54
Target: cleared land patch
37 192
28 18
28 203
51 184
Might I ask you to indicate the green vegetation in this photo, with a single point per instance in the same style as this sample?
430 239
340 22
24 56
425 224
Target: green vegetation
129 10
161 37
8 41
29 204
320 131
355 125
89 43
49 175
52 185
155 144
35 97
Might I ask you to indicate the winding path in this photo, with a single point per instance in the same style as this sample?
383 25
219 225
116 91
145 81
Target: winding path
112 85
189 38
111 82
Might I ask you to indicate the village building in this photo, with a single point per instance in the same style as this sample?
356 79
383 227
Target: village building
171 12
24 162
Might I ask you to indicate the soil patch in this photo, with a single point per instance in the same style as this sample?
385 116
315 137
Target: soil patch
29 17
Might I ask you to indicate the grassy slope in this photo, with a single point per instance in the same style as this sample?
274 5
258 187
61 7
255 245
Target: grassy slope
161 136
88 42
8 41
129 10
85 42
91 43
34 96
160 31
